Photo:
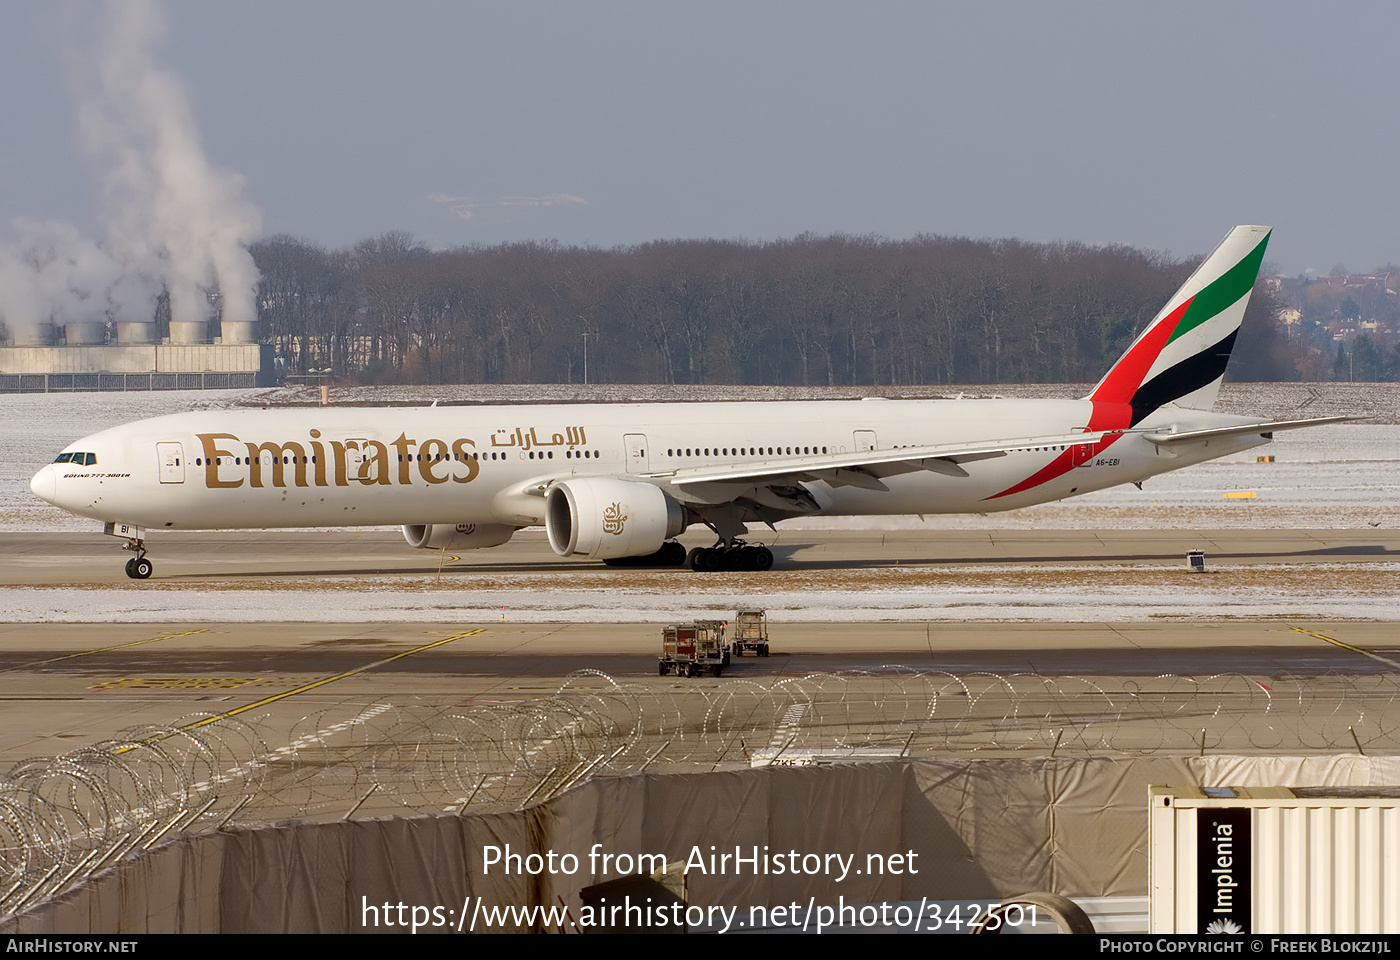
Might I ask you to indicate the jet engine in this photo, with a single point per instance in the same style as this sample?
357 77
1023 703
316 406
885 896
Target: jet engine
603 519
462 536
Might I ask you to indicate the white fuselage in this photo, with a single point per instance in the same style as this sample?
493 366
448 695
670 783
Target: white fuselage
308 467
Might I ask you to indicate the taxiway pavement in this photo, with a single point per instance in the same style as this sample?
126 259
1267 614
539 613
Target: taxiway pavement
63 684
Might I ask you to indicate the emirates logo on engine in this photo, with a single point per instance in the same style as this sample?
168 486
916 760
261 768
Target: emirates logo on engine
613 519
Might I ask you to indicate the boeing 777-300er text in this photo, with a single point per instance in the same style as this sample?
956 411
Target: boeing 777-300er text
617 482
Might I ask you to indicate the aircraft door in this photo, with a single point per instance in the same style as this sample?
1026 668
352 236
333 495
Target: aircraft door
357 465
1082 455
638 460
172 462
864 440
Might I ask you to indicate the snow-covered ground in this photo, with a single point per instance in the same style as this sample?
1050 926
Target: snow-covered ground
1341 592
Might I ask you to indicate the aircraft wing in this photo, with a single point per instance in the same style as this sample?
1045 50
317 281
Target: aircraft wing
1165 439
865 468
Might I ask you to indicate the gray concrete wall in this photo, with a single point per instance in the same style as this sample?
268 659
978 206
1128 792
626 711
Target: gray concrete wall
132 358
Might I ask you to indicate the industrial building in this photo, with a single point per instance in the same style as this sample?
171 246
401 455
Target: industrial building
128 356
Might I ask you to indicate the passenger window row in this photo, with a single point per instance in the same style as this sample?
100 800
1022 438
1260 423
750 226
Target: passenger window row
239 461
743 451
412 458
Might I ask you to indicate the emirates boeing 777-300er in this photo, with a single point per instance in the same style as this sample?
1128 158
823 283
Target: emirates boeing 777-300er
617 482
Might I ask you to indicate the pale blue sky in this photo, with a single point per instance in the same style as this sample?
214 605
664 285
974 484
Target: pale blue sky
1157 125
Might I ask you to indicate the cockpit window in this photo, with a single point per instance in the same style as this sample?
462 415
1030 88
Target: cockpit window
81 459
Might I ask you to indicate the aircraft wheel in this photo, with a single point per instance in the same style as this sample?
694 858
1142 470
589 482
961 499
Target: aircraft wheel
693 559
706 559
762 558
131 568
141 569
672 554
733 559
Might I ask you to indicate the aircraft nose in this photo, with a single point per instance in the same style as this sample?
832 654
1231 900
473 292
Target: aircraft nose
44 484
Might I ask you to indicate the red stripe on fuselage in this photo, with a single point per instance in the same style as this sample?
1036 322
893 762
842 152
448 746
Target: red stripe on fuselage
1105 416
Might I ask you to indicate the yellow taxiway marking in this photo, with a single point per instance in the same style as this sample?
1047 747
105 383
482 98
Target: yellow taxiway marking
1347 646
325 680
116 646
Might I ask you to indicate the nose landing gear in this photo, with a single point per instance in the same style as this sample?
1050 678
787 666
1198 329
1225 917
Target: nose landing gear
138 567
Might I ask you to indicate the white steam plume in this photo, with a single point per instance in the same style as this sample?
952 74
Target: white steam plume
168 216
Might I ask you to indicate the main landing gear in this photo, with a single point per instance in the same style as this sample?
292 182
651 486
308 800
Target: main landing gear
725 555
730 555
671 554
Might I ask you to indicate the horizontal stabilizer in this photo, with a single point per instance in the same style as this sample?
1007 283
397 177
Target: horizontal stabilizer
1187 436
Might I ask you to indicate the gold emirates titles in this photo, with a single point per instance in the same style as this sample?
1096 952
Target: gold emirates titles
436 461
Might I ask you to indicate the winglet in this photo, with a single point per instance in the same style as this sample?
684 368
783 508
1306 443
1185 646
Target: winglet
1180 358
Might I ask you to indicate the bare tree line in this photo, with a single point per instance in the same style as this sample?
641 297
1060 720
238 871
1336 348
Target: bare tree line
834 310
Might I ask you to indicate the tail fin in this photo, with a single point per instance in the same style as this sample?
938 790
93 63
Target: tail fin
1180 358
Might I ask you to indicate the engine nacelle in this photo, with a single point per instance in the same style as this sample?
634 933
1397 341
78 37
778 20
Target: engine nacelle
603 519
462 536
